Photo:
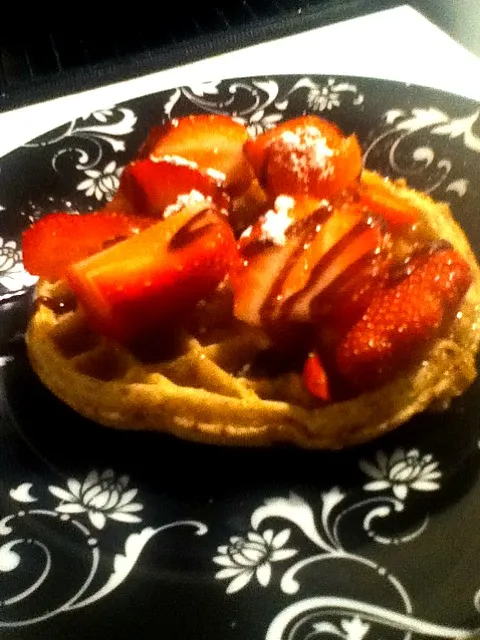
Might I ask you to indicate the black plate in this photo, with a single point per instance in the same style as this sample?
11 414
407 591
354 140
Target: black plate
106 534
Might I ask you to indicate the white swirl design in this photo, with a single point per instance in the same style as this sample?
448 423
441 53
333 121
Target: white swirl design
400 473
306 620
98 496
84 138
261 104
402 143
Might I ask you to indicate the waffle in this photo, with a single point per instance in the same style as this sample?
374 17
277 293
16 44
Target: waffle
205 389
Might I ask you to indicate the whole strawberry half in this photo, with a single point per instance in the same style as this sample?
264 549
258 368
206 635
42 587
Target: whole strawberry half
57 240
305 156
403 318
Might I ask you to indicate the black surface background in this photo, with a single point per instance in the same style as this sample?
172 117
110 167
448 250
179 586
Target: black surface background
61 53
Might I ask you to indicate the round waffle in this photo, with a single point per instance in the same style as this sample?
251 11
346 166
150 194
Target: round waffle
205 390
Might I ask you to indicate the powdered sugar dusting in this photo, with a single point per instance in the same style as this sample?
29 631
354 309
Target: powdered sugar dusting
180 161
177 160
186 200
247 233
218 176
277 221
307 150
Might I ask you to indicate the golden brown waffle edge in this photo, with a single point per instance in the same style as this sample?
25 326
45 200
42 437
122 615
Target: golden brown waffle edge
105 383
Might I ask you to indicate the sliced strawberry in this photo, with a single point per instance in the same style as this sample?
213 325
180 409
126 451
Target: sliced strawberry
245 210
152 279
403 318
213 141
315 377
289 264
324 238
268 250
262 264
377 197
57 240
151 186
346 241
305 155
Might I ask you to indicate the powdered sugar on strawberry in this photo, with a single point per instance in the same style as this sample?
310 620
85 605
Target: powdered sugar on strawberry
308 150
186 200
275 222
180 161
218 176
174 159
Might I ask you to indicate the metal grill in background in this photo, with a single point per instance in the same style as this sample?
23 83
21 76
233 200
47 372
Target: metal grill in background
51 53
76 55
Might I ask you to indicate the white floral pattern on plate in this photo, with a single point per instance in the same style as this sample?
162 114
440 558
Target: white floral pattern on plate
101 496
84 138
12 273
252 555
262 96
401 472
101 184
244 558
407 159
347 628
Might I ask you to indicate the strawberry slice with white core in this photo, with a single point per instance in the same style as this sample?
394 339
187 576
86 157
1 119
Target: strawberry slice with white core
322 239
213 141
151 186
286 270
270 249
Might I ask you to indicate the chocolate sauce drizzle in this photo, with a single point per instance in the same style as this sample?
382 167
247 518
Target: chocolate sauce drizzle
193 229
303 231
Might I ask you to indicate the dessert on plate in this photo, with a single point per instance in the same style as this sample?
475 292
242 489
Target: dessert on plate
245 290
